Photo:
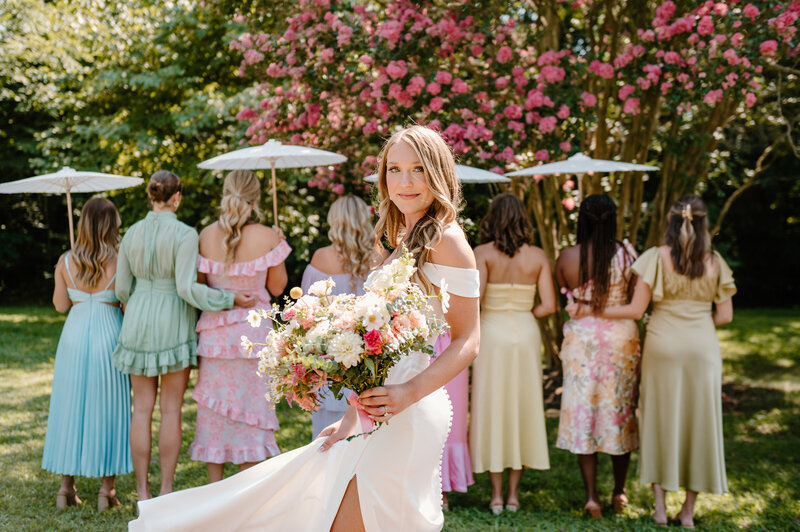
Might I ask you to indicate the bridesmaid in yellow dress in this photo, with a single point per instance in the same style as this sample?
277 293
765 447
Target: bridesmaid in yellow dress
680 404
507 427
600 357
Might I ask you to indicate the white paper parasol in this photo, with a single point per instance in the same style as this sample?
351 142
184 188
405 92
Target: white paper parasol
67 181
465 174
581 164
272 154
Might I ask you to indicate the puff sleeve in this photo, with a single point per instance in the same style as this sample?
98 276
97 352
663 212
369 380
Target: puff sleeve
726 288
649 267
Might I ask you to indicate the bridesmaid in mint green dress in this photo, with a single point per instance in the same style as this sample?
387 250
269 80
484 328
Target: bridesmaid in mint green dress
90 403
157 281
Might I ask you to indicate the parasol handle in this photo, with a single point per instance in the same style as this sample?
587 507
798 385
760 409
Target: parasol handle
69 217
274 196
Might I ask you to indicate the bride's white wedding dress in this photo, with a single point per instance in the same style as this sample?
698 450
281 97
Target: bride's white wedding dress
397 469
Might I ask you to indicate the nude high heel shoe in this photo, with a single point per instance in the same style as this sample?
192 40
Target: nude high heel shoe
106 501
64 499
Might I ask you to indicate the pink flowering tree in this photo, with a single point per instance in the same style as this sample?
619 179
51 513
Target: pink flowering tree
515 84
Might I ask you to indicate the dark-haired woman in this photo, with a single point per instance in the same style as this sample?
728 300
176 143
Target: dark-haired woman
680 404
157 280
600 356
90 404
507 428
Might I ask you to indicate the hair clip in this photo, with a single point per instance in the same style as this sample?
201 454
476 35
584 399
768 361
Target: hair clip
686 212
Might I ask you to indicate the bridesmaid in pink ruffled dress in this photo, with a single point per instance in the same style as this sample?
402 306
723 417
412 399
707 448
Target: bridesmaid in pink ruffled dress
234 423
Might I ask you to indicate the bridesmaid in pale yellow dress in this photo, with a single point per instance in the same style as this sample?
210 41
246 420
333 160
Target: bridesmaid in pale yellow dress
680 405
507 427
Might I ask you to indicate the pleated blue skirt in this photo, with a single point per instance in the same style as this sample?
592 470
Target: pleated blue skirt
88 424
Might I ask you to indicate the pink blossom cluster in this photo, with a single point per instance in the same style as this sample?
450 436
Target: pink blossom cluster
341 76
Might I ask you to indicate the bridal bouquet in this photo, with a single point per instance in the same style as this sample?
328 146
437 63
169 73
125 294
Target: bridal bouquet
345 341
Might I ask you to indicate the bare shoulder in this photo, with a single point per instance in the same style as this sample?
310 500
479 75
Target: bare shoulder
484 249
453 249
567 255
210 229
267 236
534 252
321 257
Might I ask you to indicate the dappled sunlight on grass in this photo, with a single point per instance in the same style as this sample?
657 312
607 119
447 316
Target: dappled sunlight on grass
761 398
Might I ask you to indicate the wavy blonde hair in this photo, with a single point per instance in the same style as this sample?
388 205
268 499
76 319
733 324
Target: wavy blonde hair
98 240
440 175
352 236
240 195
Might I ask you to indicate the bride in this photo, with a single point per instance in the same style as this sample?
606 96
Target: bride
390 479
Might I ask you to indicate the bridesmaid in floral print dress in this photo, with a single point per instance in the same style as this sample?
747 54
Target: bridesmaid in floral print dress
234 422
600 357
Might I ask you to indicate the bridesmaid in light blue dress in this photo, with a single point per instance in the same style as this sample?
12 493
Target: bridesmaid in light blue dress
90 403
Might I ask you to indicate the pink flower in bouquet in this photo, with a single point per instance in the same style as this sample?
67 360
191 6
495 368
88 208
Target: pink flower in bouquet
344 320
416 319
373 342
400 324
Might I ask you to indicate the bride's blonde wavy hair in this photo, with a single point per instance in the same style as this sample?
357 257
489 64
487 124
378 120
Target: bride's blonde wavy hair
98 240
440 175
352 236
241 193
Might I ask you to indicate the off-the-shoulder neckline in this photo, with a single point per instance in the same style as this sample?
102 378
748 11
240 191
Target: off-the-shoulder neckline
262 257
436 265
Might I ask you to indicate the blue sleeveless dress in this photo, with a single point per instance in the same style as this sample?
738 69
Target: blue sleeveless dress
88 425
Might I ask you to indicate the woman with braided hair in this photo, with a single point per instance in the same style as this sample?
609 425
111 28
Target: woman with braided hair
680 403
234 423
600 357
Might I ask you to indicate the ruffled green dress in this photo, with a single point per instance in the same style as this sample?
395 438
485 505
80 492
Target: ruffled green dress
680 395
157 280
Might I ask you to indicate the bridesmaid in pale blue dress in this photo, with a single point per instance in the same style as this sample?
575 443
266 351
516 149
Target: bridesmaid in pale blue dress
90 404
347 261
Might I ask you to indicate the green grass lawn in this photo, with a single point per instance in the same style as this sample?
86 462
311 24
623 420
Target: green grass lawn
762 444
